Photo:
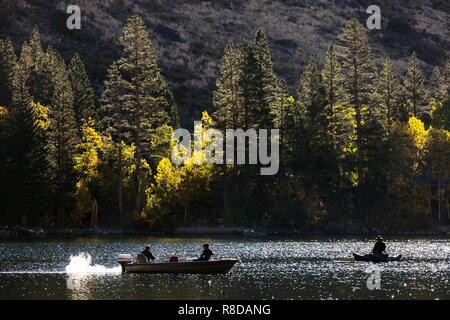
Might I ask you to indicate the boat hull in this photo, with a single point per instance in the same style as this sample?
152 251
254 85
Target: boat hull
215 266
372 258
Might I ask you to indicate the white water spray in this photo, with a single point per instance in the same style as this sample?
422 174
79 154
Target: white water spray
82 263
80 266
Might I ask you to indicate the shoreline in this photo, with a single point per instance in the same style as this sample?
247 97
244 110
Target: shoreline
104 232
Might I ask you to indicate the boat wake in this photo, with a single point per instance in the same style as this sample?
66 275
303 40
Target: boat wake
79 264
82 263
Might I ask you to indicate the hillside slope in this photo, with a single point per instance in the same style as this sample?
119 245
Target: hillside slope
189 36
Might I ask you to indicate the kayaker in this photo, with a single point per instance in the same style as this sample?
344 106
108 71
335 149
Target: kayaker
148 254
206 254
379 248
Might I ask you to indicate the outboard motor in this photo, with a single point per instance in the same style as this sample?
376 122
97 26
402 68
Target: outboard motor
124 259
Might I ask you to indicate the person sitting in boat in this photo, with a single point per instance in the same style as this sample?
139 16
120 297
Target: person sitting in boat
379 248
148 254
206 254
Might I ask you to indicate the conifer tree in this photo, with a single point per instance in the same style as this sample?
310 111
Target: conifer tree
8 60
389 89
35 43
247 87
169 106
83 94
40 78
311 91
446 80
115 123
26 158
359 72
280 112
225 98
437 87
22 70
333 79
265 79
142 83
62 135
281 106
414 85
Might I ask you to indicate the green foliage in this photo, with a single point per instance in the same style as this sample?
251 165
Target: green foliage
62 134
177 189
333 79
440 114
357 65
350 151
437 86
145 92
311 92
225 98
414 85
265 80
389 92
360 72
83 93
7 62
24 163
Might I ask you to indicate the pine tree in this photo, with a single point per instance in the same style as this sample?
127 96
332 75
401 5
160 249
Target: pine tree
83 94
389 89
8 60
169 106
35 43
265 79
115 123
225 98
62 135
333 79
414 85
247 87
142 82
40 78
26 164
437 87
22 71
446 80
280 112
311 92
281 106
359 71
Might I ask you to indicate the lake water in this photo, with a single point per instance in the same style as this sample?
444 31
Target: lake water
270 268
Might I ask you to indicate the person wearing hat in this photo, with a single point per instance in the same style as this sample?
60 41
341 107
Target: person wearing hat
379 248
148 254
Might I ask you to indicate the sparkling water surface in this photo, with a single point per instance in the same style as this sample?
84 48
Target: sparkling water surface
270 268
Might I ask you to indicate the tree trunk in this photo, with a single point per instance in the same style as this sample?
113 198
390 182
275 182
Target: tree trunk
138 164
94 213
120 178
24 219
429 201
446 201
439 199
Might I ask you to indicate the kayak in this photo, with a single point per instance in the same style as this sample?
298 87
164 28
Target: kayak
372 258
213 266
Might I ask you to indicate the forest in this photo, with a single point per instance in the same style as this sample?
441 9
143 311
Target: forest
360 145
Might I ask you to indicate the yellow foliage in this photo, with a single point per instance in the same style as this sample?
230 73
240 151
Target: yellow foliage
41 115
207 120
438 152
3 112
418 132
83 202
87 160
